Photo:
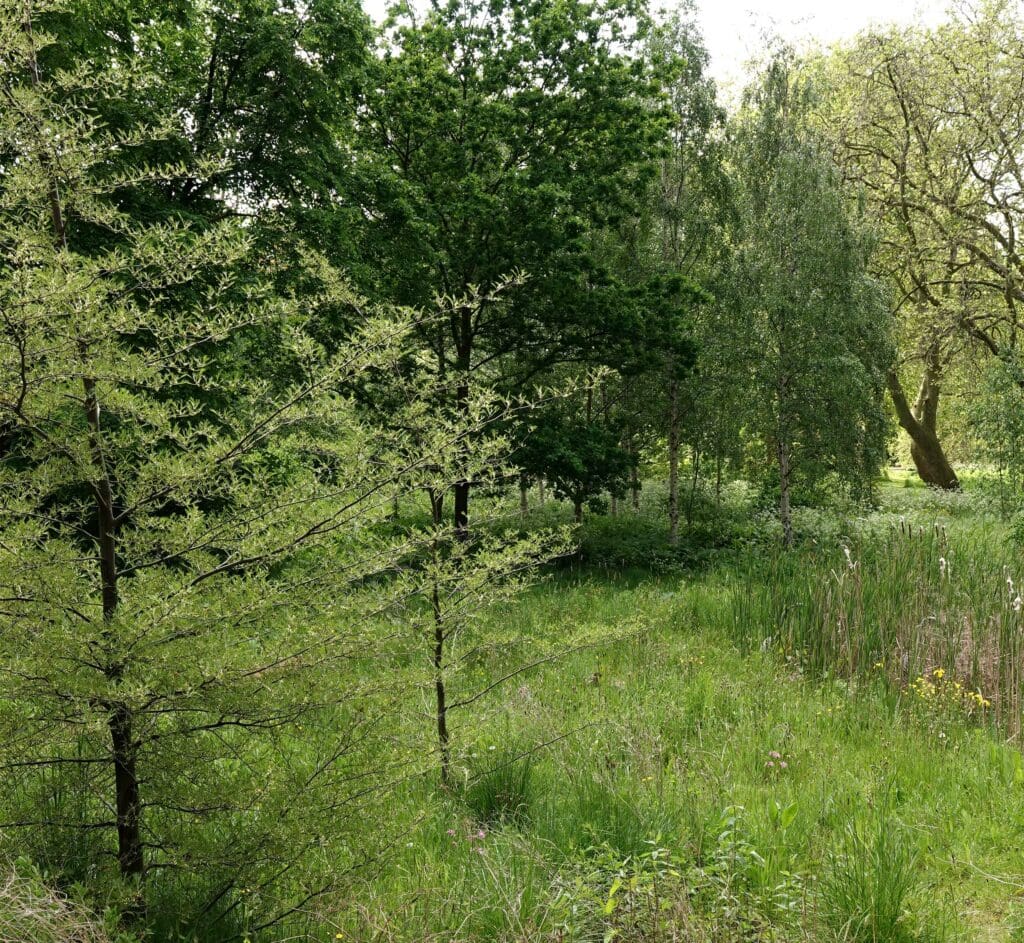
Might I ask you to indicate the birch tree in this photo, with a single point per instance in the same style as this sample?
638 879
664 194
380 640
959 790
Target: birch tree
816 328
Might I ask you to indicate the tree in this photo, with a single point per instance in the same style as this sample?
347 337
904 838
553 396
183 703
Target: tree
672 245
449 580
572 447
816 324
928 123
492 137
185 542
253 96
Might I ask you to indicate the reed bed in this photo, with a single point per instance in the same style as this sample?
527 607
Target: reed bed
940 612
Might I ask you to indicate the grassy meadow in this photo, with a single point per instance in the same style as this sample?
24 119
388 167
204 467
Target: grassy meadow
754 744
815 745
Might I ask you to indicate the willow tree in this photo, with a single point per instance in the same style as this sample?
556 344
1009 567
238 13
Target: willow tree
814 347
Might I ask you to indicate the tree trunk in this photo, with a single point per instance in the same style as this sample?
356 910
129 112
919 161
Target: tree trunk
461 490
614 506
577 507
436 506
718 480
785 511
524 504
541 497
441 701
919 422
464 362
126 789
629 446
441 707
673 462
693 487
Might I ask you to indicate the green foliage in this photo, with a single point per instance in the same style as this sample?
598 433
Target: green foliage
200 540
997 419
816 338
669 771
501 789
246 617
581 457
933 190
495 137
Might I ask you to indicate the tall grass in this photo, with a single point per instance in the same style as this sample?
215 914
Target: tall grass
32 912
939 612
871 875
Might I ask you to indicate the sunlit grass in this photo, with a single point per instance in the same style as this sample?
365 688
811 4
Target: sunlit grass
761 788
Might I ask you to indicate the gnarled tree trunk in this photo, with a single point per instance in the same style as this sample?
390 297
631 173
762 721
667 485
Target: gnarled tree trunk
919 421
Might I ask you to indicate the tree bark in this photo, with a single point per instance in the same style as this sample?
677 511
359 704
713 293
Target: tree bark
673 462
126 789
718 480
785 510
440 692
436 506
461 490
463 336
524 504
919 422
693 487
577 507
441 707
629 446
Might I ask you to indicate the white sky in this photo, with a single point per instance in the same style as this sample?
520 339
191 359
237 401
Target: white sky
733 28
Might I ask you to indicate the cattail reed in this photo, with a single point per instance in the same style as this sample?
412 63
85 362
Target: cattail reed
916 600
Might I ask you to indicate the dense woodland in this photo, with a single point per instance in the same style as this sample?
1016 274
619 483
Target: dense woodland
464 478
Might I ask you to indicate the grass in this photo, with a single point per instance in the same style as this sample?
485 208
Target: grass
773 747
704 780
869 879
32 912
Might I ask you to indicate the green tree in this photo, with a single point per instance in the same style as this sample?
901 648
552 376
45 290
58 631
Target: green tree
927 121
253 96
186 545
495 136
816 326
673 244
573 446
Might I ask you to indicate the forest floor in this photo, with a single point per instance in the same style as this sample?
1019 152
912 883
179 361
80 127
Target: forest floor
685 782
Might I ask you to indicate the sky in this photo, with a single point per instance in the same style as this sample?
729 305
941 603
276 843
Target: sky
733 28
